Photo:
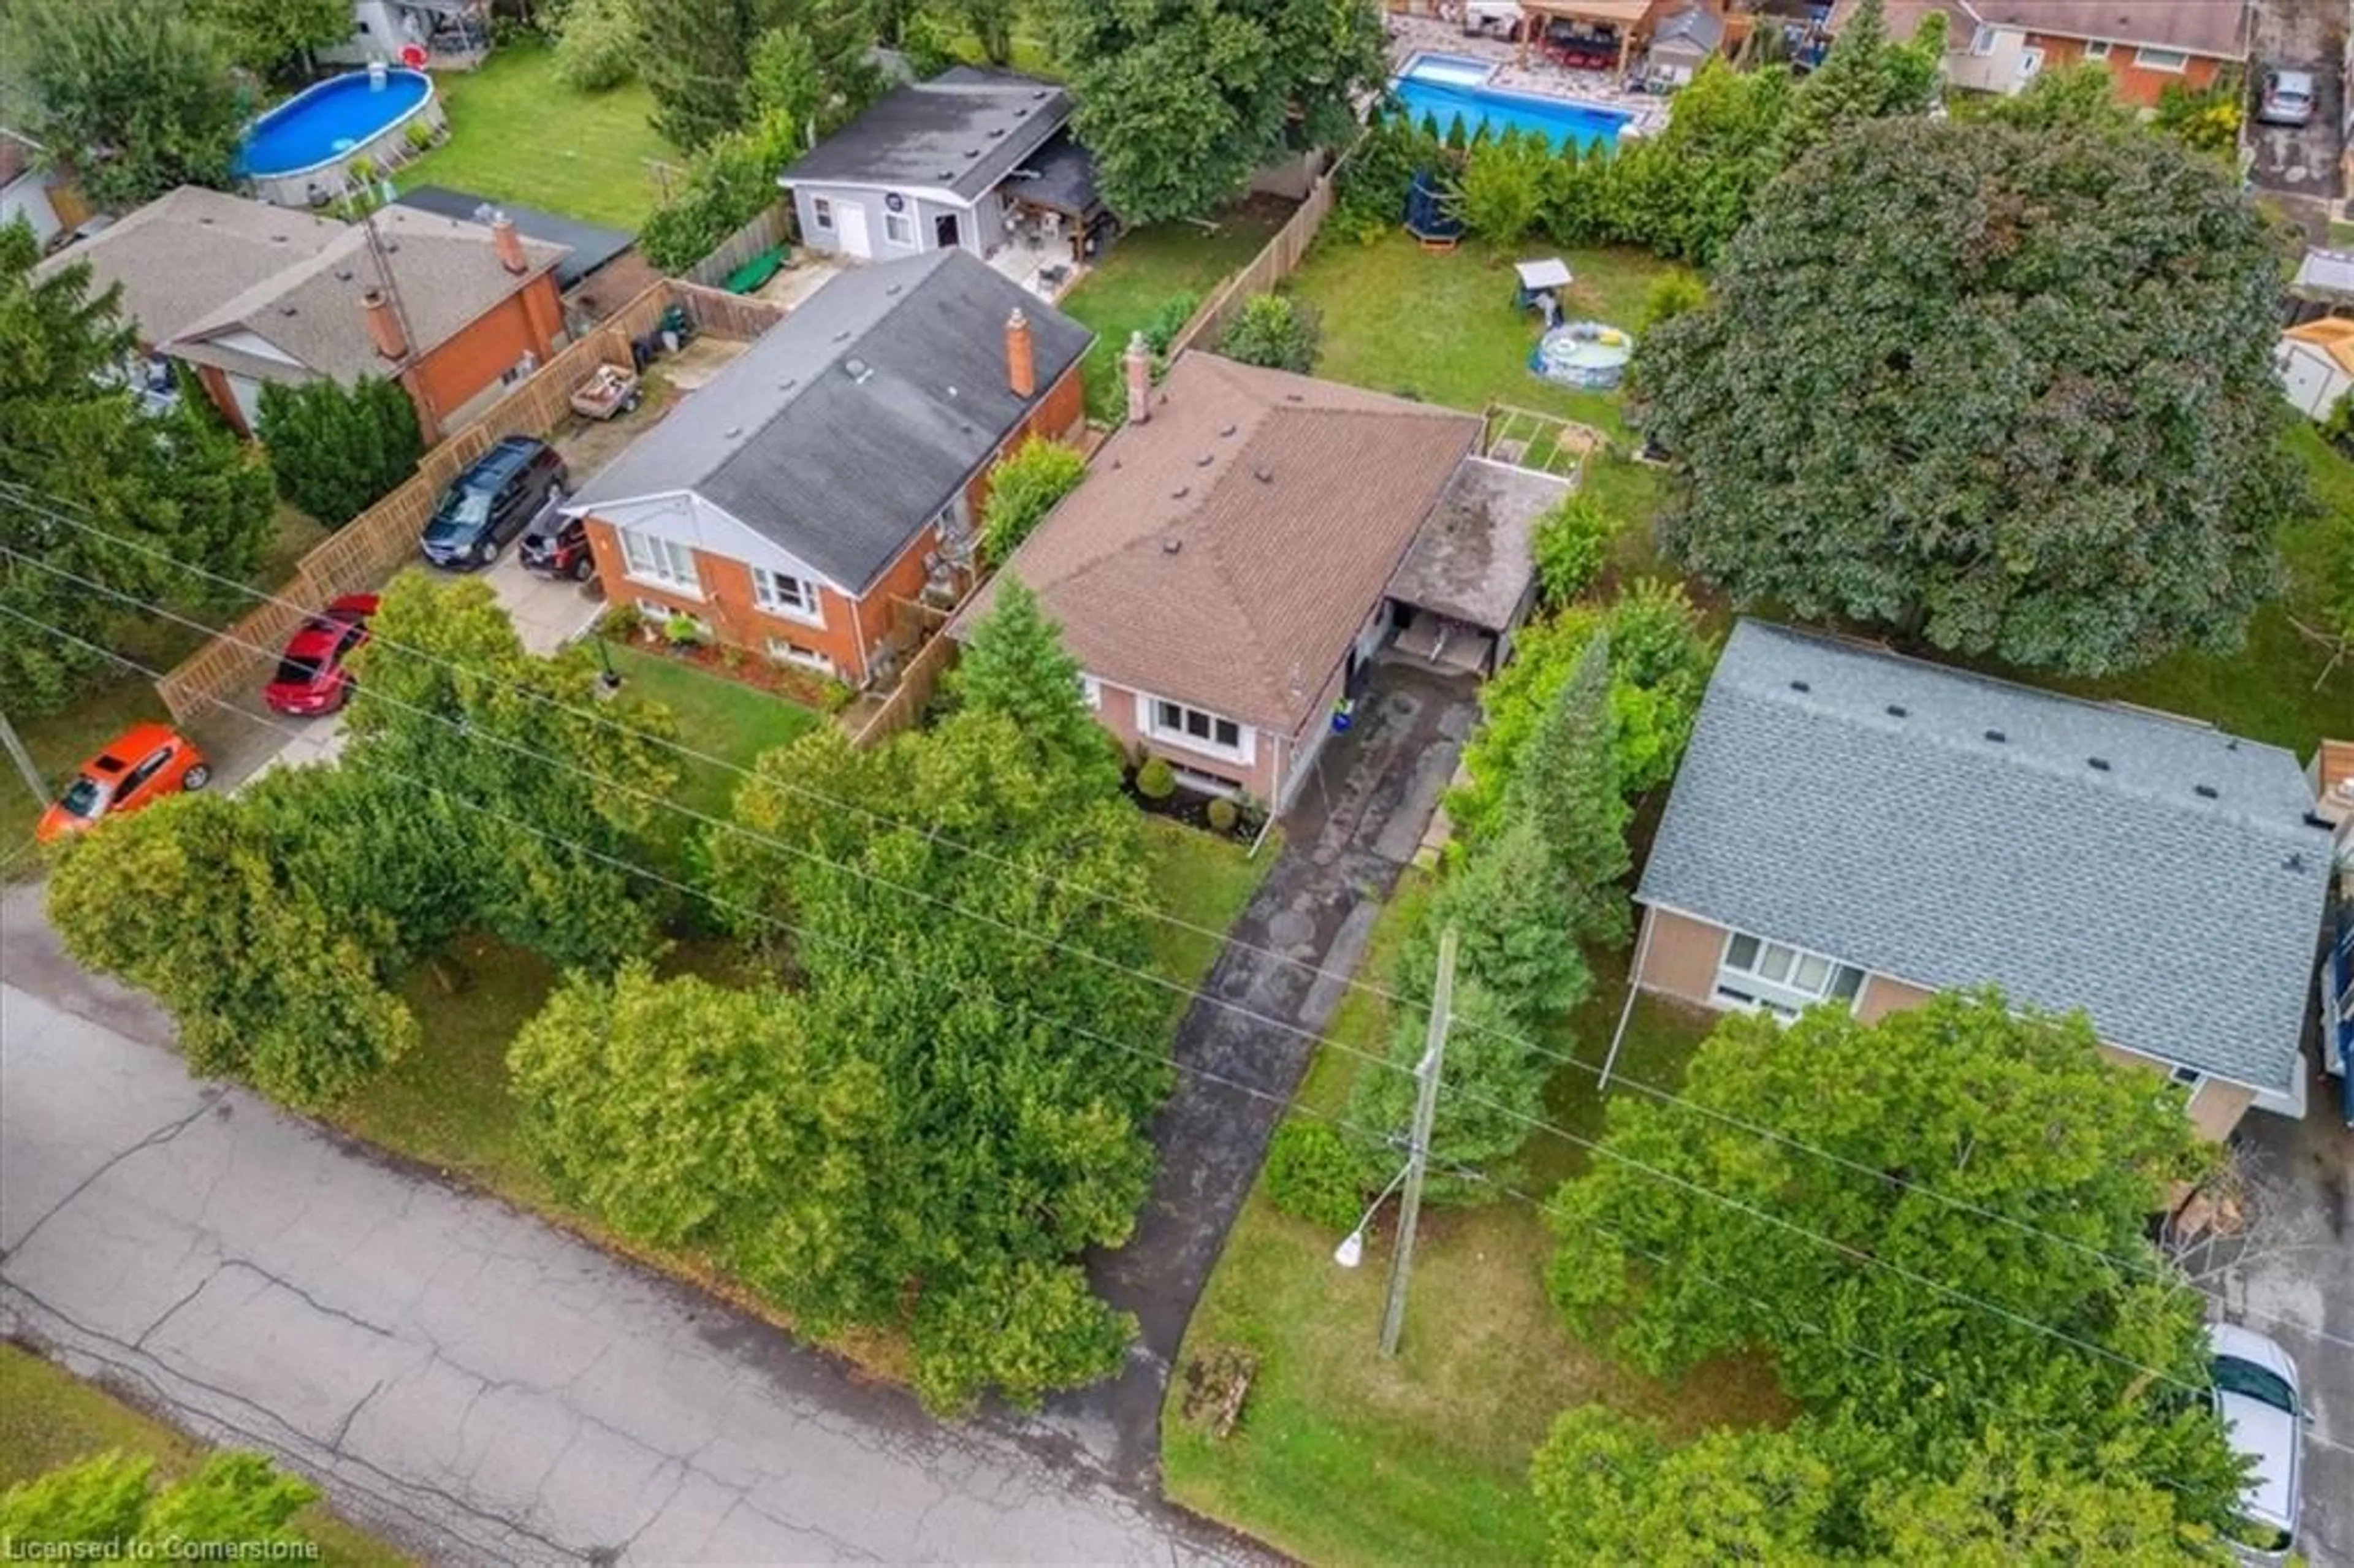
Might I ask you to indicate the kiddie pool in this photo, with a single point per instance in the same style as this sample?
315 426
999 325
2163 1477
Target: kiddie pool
304 146
1584 353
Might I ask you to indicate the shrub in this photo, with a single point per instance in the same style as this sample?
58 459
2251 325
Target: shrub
336 452
682 632
419 135
1022 489
1672 294
1274 331
1156 781
835 694
1313 1174
596 46
1162 327
1573 540
728 183
1505 186
622 622
1224 814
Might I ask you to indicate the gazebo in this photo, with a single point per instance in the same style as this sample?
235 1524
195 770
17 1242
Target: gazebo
1623 16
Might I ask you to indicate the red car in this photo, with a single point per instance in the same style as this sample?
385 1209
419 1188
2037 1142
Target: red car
144 764
310 676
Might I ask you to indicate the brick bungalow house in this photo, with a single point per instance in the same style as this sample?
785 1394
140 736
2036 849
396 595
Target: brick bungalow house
1861 829
246 293
1246 542
2000 46
839 467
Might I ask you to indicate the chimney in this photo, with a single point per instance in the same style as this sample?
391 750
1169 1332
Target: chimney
1139 364
1021 361
508 244
384 327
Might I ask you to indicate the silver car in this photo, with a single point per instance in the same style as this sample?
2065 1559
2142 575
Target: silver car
2263 1416
2288 97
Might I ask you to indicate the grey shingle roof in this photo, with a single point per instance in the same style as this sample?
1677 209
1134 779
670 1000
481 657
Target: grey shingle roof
2183 923
587 245
192 251
961 131
847 426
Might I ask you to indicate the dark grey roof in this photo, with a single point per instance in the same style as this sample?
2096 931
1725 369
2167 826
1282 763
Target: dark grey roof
589 245
1060 174
847 426
1699 27
1471 559
2183 923
961 131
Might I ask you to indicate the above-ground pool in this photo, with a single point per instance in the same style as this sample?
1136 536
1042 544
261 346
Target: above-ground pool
1444 86
308 141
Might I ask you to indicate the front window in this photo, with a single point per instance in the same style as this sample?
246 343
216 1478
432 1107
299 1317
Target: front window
2233 1375
654 559
86 799
1196 727
1982 41
899 229
2161 59
1772 976
786 653
781 593
2098 50
821 212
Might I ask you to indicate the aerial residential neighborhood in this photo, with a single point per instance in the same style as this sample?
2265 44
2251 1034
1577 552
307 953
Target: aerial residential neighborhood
1357 781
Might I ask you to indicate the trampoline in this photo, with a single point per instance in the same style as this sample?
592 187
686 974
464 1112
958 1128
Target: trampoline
1587 355
1430 211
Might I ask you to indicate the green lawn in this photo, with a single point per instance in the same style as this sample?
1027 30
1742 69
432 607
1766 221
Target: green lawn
725 719
1343 1457
1144 270
1204 882
48 1417
518 135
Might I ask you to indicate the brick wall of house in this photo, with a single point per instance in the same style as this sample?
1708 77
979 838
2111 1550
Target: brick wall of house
2135 85
1057 416
528 321
1116 711
215 381
1678 956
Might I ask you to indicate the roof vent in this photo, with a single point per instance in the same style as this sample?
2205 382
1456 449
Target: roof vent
995 132
206 222
1898 710
972 151
842 336
1264 474
2098 763
2316 820
342 274
277 239
1996 736
732 431
1226 430
1170 544
2232 744
1293 398
1205 460
1181 493
2296 861
948 175
1800 686
2205 791
857 369
285 310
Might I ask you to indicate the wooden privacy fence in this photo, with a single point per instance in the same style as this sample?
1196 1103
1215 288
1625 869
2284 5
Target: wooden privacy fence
361 555
772 227
904 707
1276 261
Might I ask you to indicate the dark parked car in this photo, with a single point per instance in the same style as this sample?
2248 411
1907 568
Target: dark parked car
557 546
490 502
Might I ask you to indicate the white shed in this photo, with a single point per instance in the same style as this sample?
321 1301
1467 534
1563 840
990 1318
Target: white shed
2316 362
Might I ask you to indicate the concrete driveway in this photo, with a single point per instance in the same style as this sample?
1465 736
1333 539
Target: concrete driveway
2299 162
2298 1286
471 1384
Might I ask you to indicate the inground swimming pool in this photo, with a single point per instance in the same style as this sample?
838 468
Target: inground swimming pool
1446 86
320 131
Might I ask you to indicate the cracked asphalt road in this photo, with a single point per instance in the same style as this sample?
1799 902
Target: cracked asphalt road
463 1378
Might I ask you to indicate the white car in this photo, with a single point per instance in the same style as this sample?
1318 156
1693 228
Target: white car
2263 1416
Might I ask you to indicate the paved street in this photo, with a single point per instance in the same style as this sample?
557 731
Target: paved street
463 1378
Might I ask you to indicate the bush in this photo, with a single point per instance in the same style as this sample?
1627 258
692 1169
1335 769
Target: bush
1505 186
622 622
336 452
728 185
835 694
681 631
1161 329
596 46
1672 294
1274 331
1224 814
1022 489
1314 1174
1573 540
419 135
1156 781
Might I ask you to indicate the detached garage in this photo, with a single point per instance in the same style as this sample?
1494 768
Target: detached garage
2316 360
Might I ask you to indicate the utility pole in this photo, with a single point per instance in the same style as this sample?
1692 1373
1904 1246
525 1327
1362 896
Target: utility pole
24 760
1425 1109
381 254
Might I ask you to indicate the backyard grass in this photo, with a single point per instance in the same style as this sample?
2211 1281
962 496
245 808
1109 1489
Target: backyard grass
1144 271
48 1417
518 135
1343 1457
721 719
1203 882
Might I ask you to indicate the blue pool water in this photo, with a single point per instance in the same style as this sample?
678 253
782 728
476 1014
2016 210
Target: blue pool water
1436 85
326 123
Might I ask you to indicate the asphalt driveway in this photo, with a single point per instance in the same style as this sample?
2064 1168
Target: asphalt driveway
2299 162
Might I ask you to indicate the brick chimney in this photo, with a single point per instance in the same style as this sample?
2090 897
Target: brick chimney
1021 360
508 244
383 325
1138 362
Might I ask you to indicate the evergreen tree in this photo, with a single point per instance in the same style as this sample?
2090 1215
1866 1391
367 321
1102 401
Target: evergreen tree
1014 664
136 92
337 450
1867 76
699 56
1567 784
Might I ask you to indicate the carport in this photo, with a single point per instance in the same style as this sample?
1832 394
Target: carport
1470 576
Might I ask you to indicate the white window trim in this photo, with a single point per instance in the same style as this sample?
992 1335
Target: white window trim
1751 991
785 610
657 566
1201 783
1147 724
662 615
1091 692
785 652
2149 59
1982 42
2030 62
2097 48
821 212
908 219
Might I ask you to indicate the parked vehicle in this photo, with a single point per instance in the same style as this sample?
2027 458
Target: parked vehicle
611 390
2288 97
2265 1417
141 766
490 503
555 545
312 677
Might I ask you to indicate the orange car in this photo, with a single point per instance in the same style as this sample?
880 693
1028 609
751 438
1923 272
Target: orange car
144 764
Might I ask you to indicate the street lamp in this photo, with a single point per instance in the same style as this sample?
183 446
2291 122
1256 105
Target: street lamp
1352 1250
609 680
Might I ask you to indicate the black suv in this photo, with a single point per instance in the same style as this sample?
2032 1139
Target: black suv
557 546
490 503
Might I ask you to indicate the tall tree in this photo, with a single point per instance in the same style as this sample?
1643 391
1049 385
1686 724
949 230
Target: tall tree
337 450
1981 384
1936 1224
1567 784
1023 488
1614 1492
698 58
137 92
142 506
108 1508
1014 664
267 36
1181 100
1867 76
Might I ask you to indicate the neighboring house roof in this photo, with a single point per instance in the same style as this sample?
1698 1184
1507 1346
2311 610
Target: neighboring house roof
1060 174
192 251
847 428
1698 28
2332 337
960 133
2213 27
1856 802
587 245
2325 272
1473 559
18 155
1225 552
309 317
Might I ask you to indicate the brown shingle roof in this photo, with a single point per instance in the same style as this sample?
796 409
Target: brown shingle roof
2212 28
1290 501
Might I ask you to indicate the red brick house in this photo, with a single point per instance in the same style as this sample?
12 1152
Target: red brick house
2001 46
839 468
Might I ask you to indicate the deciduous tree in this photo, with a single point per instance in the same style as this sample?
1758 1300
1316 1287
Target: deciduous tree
1023 488
1505 182
2010 394
136 92
1613 1491
699 56
108 1508
267 36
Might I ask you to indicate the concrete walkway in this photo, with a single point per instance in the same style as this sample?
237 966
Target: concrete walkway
463 1378
1346 839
